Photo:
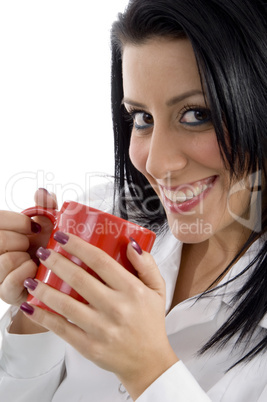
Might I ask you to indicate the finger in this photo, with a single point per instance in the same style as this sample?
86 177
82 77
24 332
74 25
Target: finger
55 323
146 267
109 270
13 241
78 313
90 288
12 289
10 261
17 222
45 199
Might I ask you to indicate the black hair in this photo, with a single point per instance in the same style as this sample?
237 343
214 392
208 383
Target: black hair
230 45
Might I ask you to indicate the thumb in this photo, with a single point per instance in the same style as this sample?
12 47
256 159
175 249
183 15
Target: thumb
146 267
45 199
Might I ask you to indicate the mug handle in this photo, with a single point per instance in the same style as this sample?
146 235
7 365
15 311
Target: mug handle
50 213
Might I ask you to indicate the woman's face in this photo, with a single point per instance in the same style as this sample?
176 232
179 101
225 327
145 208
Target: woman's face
173 142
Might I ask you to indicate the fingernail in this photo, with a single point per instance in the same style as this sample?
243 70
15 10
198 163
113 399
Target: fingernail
30 283
61 237
136 246
27 308
35 227
43 189
43 253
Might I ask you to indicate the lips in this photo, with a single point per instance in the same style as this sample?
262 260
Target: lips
186 196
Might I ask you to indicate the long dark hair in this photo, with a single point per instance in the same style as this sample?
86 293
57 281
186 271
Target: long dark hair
229 38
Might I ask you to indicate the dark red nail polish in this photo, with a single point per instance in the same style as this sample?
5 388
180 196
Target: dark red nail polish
30 283
136 246
61 237
43 253
35 227
27 308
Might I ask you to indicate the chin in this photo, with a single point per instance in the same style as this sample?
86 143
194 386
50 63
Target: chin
196 231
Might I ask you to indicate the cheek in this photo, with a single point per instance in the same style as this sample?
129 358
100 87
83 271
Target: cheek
202 150
138 153
206 151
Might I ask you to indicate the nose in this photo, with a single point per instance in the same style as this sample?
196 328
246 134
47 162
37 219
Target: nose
165 154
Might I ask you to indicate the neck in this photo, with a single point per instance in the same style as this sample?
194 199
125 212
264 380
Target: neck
202 263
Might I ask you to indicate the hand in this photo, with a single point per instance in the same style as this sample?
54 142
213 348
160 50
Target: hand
123 327
19 238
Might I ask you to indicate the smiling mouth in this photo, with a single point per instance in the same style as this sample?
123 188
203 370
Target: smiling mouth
187 192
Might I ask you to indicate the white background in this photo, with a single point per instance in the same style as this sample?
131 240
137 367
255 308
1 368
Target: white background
55 120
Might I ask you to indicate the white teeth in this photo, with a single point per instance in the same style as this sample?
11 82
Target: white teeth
169 194
182 196
189 194
197 191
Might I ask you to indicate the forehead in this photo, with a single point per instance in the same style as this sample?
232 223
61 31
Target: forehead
168 65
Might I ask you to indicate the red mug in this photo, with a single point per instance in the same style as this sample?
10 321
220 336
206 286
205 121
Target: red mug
108 232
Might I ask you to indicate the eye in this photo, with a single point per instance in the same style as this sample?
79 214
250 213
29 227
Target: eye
141 119
195 116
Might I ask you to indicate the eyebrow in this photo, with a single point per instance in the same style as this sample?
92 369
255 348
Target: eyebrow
173 101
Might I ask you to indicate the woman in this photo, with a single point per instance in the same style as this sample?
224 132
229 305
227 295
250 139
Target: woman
189 96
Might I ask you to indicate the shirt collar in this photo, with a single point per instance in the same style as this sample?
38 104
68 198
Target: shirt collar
167 254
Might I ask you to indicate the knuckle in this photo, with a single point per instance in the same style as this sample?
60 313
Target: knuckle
59 327
149 261
120 313
100 259
77 277
11 260
139 291
96 352
139 296
15 221
7 261
136 290
163 282
49 321
12 293
6 266
3 242
53 261
66 307
12 283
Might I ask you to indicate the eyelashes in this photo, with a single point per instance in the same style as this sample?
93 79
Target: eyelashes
190 116
195 116
139 119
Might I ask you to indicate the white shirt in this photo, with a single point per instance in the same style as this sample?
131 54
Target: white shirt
43 368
